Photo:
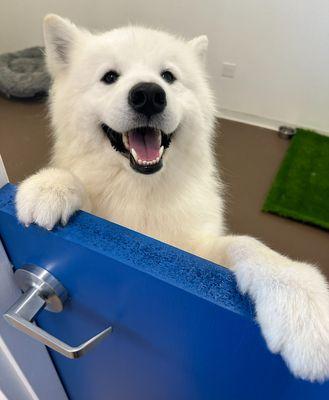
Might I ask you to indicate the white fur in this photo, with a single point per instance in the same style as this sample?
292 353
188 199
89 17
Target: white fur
50 196
181 204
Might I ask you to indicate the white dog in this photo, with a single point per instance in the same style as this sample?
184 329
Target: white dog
133 125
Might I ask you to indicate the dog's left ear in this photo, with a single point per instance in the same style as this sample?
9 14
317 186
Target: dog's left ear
60 37
200 46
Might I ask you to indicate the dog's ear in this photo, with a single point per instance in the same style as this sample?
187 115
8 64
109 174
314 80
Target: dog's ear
200 45
59 35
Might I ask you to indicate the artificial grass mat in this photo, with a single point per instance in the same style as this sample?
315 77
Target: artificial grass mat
301 187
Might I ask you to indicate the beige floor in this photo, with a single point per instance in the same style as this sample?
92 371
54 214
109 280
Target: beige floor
249 158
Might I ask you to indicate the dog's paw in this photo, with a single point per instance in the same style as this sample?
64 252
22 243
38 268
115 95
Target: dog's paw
294 319
50 196
292 306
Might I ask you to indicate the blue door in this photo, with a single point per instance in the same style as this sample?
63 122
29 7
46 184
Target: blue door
181 330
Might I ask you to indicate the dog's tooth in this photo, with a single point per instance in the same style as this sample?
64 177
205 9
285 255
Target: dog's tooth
161 151
134 154
140 162
157 159
144 162
125 140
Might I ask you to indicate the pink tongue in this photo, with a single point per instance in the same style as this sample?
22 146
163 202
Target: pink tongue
146 144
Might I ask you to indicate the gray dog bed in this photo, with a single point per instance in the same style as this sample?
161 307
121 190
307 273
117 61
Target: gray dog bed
23 74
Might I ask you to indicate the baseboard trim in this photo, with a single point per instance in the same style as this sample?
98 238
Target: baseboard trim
262 122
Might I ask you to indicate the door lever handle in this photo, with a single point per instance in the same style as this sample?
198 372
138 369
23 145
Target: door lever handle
41 290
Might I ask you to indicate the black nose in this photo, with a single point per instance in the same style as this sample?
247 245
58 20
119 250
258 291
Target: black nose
147 98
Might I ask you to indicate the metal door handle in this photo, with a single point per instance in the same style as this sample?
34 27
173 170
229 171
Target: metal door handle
41 290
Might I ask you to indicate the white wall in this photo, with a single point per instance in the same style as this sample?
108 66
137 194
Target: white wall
281 46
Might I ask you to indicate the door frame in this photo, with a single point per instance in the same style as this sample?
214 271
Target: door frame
20 378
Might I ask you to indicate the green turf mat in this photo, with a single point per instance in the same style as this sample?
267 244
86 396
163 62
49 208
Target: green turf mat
301 187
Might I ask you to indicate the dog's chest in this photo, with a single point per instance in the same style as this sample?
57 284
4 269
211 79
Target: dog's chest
167 211
152 215
155 220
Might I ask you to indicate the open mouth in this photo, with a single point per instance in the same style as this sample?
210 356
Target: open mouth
143 146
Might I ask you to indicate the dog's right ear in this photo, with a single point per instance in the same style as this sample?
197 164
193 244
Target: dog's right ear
200 45
60 35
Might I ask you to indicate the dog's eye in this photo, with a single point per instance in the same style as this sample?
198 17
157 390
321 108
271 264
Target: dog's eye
110 77
168 76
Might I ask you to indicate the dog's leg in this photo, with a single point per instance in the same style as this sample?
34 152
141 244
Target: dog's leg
291 300
52 195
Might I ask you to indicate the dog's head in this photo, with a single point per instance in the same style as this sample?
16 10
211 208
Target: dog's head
132 91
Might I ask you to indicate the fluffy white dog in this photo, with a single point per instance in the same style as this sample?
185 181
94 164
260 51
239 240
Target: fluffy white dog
133 125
